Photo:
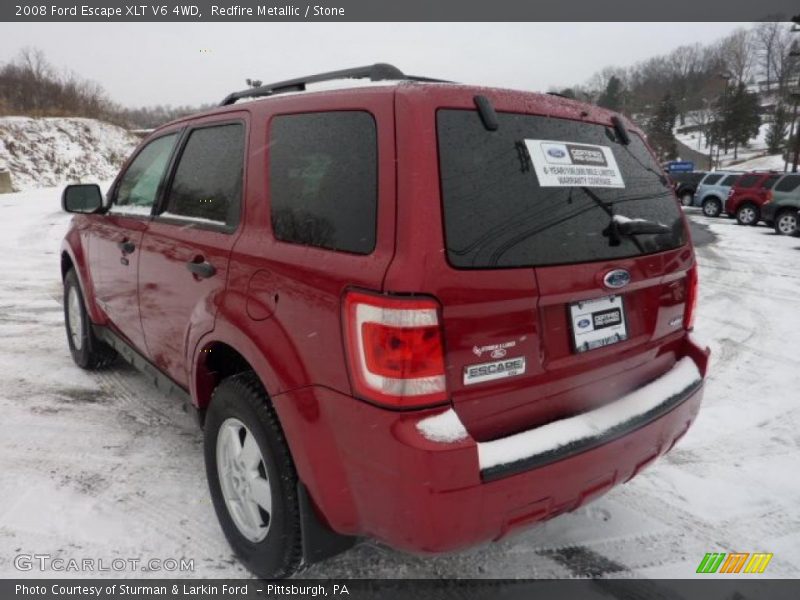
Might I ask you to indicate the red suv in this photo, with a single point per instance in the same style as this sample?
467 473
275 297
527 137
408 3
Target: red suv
749 194
416 311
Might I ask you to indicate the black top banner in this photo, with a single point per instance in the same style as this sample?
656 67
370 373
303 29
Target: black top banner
395 11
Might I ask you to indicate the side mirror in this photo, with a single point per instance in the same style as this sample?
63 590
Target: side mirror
82 198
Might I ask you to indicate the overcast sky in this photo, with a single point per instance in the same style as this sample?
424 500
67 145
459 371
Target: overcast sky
194 63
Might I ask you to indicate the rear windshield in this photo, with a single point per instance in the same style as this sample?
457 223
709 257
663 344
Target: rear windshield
729 180
747 181
498 213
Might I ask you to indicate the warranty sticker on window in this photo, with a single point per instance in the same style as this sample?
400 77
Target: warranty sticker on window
568 164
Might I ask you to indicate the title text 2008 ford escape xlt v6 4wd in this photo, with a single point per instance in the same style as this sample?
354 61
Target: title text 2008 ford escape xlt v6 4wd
417 311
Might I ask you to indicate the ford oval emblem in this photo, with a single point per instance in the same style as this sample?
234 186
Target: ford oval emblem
616 279
556 152
584 323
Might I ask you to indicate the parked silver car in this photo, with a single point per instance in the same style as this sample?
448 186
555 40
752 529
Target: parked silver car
712 192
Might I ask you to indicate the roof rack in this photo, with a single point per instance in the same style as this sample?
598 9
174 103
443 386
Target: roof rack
376 72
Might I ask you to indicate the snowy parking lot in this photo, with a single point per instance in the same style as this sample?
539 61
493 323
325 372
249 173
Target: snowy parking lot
102 466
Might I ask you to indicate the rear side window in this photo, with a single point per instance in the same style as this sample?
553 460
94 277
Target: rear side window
323 179
712 179
729 180
788 183
207 185
747 181
769 182
497 214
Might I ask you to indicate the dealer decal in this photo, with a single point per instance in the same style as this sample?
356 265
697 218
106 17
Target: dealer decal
568 164
494 370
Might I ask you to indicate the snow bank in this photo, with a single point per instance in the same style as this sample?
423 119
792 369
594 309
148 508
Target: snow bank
53 151
772 162
753 150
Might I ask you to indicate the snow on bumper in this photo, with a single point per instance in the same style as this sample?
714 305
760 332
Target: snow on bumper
582 432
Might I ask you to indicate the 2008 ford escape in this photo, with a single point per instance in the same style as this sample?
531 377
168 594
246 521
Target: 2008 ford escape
421 312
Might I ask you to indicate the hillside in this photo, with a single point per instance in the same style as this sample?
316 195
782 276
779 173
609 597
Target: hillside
52 151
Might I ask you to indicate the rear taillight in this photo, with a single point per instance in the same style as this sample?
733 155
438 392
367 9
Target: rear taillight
691 298
768 197
395 350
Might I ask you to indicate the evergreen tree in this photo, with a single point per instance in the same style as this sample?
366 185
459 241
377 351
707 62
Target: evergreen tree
776 134
612 97
659 128
742 119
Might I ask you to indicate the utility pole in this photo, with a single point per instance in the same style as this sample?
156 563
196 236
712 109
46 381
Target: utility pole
796 97
726 77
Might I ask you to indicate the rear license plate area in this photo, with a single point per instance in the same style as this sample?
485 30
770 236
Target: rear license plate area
597 323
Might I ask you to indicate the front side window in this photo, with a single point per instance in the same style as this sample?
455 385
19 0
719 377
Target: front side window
323 174
730 180
138 188
207 185
769 182
712 179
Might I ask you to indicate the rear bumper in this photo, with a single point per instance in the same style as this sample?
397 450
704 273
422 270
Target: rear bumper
768 212
373 473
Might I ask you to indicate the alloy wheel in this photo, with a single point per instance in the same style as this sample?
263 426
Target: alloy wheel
244 480
74 318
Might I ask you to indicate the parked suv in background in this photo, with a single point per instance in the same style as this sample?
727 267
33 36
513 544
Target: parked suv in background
421 312
780 211
685 185
748 195
712 191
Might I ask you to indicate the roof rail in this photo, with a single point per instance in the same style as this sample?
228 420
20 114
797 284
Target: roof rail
376 72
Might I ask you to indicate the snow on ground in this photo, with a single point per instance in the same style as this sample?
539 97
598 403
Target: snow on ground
772 162
101 465
753 150
55 150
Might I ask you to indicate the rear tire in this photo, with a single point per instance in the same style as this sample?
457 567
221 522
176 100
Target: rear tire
252 478
748 214
712 207
786 223
88 351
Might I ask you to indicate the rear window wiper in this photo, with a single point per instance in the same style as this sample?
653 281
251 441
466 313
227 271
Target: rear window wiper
612 232
628 226
622 226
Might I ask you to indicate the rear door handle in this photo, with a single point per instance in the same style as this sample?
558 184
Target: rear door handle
202 269
126 246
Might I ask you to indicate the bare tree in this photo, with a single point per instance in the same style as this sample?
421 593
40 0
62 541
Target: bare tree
737 52
702 118
765 39
784 65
